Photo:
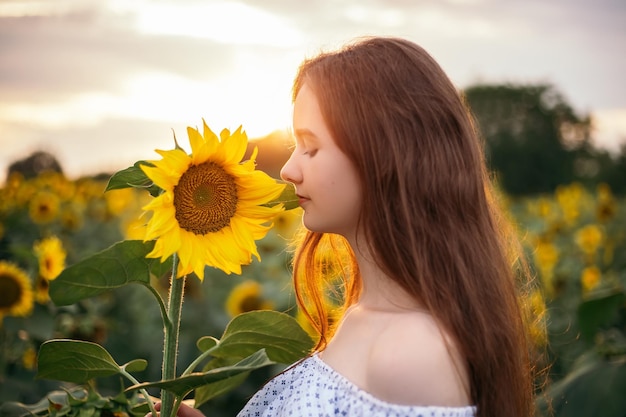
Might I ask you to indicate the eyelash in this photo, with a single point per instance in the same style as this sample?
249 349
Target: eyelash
292 148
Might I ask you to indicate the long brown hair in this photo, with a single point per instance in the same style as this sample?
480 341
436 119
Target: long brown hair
428 213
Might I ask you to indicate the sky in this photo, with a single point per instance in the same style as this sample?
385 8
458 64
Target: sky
101 84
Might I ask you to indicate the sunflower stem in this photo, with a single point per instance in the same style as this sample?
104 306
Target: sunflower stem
162 306
170 349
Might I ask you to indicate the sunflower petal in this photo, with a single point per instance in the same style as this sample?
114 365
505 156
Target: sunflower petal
234 145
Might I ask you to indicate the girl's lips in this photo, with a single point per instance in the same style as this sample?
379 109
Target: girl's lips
302 200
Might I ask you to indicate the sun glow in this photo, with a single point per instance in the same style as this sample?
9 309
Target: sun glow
610 128
261 105
238 23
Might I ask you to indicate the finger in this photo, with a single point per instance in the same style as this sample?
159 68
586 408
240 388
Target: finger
157 407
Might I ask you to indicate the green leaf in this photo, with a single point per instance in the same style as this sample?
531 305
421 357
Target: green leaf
184 385
206 342
74 361
136 365
599 312
215 389
278 333
121 264
594 387
288 197
133 177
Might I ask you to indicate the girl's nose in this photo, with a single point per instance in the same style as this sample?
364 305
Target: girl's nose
290 171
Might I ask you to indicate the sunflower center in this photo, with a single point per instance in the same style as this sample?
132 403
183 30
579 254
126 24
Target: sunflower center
48 264
250 303
43 284
10 291
205 198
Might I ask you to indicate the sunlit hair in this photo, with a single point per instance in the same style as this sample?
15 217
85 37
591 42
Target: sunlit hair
429 214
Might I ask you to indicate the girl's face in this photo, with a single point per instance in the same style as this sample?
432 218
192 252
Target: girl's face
325 179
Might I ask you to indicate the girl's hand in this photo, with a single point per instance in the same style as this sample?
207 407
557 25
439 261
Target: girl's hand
183 411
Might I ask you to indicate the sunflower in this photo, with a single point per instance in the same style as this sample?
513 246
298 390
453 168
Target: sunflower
119 200
333 315
589 238
41 290
247 297
535 316
211 210
288 222
590 278
134 228
72 216
29 358
16 294
51 256
44 207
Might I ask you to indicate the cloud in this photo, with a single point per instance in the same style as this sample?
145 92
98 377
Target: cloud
52 58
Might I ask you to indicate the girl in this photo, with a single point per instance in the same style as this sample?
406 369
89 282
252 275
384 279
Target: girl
388 168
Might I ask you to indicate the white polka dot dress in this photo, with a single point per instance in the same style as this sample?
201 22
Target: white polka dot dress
312 388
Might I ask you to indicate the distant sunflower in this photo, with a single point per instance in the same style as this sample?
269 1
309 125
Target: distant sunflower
16 294
245 297
41 290
333 314
589 238
288 222
211 209
72 216
590 278
118 200
51 256
134 228
29 358
44 207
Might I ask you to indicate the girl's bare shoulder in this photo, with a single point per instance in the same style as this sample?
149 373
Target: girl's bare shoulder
414 362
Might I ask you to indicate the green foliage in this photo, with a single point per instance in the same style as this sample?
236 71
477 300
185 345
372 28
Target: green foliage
283 339
600 312
78 361
187 383
121 264
77 402
595 386
133 177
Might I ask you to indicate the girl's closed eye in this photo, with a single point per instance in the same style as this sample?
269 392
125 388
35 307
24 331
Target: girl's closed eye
310 152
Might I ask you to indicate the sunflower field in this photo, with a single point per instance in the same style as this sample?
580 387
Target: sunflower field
575 239
576 242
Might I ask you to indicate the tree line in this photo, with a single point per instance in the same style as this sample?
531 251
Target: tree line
534 141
